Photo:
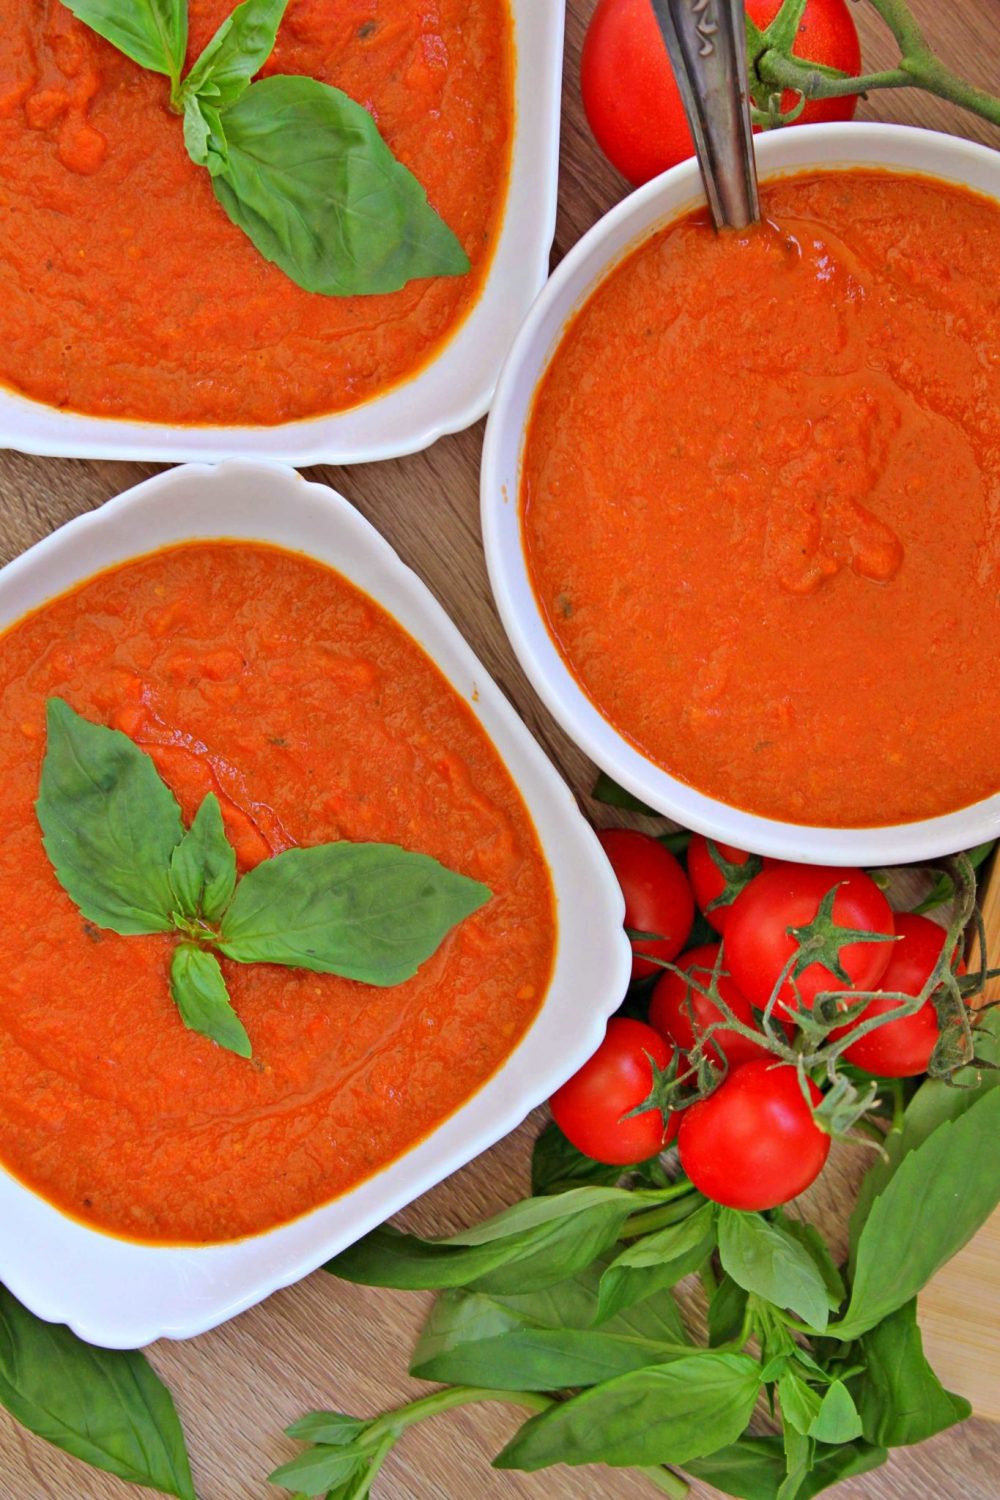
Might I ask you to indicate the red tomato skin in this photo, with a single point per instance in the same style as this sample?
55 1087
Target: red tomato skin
902 1049
707 880
753 1143
757 945
631 98
668 1012
589 1107
657 895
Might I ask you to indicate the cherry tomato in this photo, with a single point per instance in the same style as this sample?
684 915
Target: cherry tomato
753 1143
589 1109
632 100
668 1009
901 1049
657 895
708 882
759 942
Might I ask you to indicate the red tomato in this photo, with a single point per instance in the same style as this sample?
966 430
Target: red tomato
753 1143
901 1049
631 98
589 1109
708 881
668 1009
759 941
657 895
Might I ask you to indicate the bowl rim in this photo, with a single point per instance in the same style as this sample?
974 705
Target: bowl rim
447 394
814 147
125 1294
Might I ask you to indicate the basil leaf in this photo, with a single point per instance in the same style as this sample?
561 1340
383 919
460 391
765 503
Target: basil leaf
204 137
800 1452
519 1259
556 1165
153 33
809 1237
203 865
837 1420
752 1468
107 1407
726 1311
800 1404
333 1429
109 823
471 1339
237 51
320 1469
764 1259
665 1414
900 1399
200 994
933 1103
572 1303
657 1260
310 180
947 1187
371 912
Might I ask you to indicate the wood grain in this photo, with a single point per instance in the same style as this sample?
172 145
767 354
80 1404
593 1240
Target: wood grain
323 1343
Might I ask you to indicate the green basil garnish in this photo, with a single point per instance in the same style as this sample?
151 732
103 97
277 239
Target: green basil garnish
113 831
296 164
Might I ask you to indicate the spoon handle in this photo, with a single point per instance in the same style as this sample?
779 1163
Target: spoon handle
706 40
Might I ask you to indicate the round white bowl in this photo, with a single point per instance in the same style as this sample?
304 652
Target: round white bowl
121 1294
809 148
449 393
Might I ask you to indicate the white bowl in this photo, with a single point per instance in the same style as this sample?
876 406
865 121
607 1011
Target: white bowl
121 1294
447 395
809 148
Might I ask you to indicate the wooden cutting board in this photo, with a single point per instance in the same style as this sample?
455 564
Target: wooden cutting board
960 1309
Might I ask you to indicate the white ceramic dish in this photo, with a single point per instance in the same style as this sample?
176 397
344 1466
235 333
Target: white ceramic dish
125 1295
814 147
450 393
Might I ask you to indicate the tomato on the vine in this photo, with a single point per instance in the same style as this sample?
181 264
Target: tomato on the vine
901 1049
753 1143
677 1010
713 892
657 895
632 100
759 938
590 1108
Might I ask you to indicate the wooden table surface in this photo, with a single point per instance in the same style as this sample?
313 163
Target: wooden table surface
324 1343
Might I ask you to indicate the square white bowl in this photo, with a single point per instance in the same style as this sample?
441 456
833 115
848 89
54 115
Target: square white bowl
121 1294
448 394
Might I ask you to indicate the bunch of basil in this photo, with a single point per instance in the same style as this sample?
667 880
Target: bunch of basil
296 164
564 1304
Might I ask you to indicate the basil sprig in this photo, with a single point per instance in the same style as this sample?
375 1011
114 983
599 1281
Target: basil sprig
118 846
296 164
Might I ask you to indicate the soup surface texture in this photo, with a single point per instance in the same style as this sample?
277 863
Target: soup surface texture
275 683
125 291
761 500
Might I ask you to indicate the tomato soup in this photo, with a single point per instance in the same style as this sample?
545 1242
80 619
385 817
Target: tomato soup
761 500
275 683
125 291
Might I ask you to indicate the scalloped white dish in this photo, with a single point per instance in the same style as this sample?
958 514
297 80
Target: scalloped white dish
124 1294
449 393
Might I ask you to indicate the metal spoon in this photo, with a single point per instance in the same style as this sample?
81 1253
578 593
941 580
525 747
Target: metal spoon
706 41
